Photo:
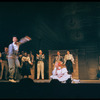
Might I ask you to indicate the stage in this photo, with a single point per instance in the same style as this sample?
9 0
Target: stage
48 81
81 81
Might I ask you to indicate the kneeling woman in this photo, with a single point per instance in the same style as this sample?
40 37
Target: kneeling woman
26 63
60 73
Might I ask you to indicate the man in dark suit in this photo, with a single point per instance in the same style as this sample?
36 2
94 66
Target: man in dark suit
58 58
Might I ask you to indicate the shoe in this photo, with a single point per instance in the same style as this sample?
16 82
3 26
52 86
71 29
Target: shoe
12 80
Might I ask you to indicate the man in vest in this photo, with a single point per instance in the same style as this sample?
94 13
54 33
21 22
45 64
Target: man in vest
13 56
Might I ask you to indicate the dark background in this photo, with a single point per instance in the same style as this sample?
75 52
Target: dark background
54 26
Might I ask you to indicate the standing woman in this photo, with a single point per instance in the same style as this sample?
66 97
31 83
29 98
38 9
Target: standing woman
26 65
68 61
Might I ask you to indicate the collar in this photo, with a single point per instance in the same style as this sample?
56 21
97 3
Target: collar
14 43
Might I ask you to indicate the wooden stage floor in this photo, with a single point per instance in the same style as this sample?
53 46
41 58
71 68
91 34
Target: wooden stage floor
48 81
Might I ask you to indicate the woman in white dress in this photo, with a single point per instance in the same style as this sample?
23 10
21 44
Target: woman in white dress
60 73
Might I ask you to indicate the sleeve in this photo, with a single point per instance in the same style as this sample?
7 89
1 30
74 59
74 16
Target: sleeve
24 40
62 59
37 57
22 59
65 59
72 58
10 50
28 59
43 57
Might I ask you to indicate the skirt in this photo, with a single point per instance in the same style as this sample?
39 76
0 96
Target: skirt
25 69
69 66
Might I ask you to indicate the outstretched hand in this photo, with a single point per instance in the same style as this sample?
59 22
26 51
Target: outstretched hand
28 37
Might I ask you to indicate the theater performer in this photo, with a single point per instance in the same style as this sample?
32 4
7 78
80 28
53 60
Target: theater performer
32 66
60 73
26 65
4 63
58 58
13 56
40 64
69 61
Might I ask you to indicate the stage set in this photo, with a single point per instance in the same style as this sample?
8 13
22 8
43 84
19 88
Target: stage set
52 89
79 68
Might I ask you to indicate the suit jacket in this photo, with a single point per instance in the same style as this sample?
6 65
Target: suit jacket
60 59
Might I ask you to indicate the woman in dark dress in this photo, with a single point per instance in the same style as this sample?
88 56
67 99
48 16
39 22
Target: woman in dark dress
26 65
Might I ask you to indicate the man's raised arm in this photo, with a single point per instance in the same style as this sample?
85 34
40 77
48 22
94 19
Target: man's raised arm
25 39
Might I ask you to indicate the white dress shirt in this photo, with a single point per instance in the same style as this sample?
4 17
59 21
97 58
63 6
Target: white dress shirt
68 57
16 46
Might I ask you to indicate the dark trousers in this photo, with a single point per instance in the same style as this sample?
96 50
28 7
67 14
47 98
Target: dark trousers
69 66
